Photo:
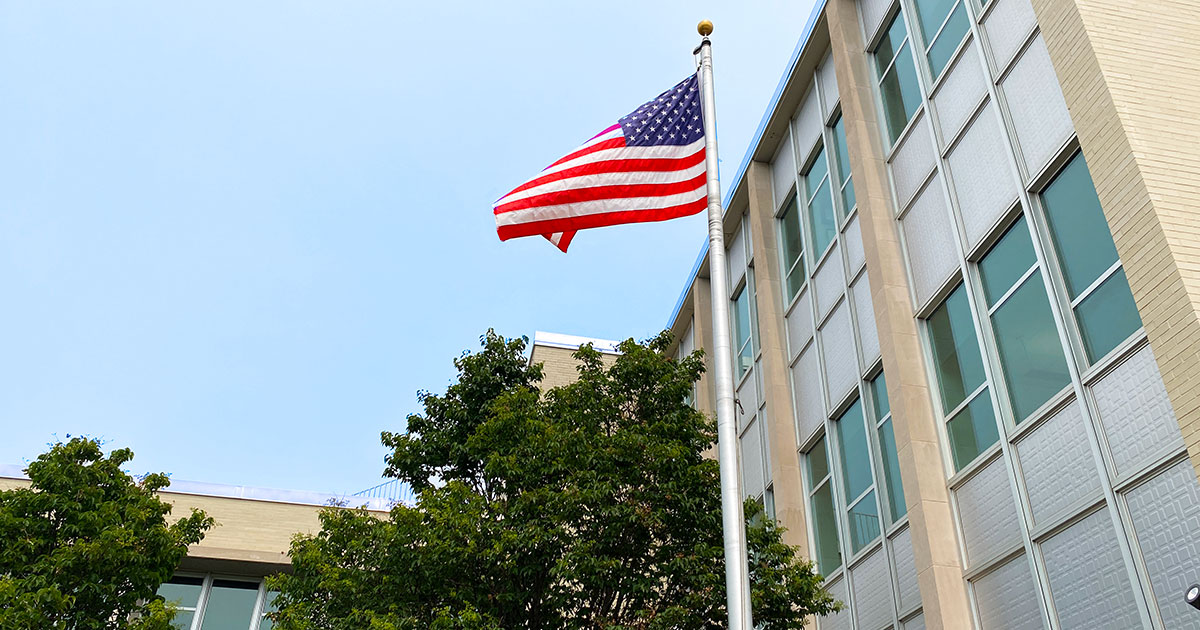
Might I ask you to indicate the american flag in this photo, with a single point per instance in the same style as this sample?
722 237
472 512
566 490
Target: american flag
647 167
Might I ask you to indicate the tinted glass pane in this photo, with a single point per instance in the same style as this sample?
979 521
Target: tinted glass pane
183 620
955 351
973 430
864 523
184 591
930 15
818 462
820 215
891 472
753 310
1030 352
848 199
879 396
852 446
1108 316
741 331
891 42
901 94
230 605
1007 261
815 173
792 245
842 156
268 606
795 280
947 41
825 530
1085 245
769 503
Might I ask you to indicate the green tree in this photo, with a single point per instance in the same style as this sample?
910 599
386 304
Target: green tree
590 506
86 546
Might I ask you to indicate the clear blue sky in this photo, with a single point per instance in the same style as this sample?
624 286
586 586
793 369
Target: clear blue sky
238 237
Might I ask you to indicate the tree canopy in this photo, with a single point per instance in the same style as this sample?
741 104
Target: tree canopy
86 546
589 506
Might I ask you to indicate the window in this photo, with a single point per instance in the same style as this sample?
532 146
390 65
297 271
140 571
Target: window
793 249
745 328
1096 284
842 158
897 78
893 489
961 382
824 518
862 512
943 25
213 603
1031 354
821 222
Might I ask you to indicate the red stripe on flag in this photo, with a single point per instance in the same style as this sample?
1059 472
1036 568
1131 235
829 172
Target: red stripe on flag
603 219
596 193
651 165
612 143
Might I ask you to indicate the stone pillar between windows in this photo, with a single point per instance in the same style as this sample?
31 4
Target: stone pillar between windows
772 335
701 334
1128 72
923 474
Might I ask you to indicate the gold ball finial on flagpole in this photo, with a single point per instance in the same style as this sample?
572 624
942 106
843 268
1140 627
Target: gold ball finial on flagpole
705 28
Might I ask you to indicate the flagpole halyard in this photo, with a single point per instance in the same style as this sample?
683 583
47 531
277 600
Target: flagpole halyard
737 578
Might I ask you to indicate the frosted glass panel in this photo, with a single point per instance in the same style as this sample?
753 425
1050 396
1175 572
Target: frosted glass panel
872 592
829 281
1136 414
1057 462
1007 26
839 620
828 81
929 241
808 127
1088 580
960 93
783 170
752 460
855 254
1006 598
983 179
799 324
988 514
1038 110
864 312
1166 516
736 257
916 623
747 394
810 401
841 367
906 571
912 162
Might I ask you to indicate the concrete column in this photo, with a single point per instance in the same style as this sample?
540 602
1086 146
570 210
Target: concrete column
772 334
706 397
935 547
1129 72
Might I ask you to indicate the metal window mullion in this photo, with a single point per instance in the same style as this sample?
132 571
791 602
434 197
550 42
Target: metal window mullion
202 601
945 21
991 310
1091 288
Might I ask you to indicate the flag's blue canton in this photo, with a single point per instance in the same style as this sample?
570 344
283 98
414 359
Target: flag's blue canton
672 118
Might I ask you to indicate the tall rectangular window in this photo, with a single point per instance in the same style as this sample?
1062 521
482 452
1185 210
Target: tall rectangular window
858 487
824 518
894 490
1030 350
943 25
898 84
842 162
793 248
1096 284
184 592
971 424
821 222
745 326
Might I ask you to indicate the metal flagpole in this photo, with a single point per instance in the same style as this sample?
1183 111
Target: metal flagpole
737 578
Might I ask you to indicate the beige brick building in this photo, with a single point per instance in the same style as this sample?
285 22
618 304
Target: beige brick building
219 584
964 248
